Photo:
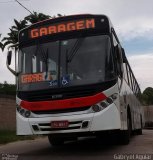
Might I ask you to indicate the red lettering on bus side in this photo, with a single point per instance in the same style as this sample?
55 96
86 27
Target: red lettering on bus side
52 29
90 23
71 26
43 31
61 28
34 33
80 25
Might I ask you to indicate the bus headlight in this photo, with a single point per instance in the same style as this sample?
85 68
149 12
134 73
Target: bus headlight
27 114
24 112
105 103
96 108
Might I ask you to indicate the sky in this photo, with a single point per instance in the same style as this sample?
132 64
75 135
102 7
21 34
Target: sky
132 20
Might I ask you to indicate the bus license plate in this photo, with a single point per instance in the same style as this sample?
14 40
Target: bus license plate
59 124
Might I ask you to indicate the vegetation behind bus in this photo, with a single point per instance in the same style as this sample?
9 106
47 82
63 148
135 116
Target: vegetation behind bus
7 89
147 96
7 136
11 40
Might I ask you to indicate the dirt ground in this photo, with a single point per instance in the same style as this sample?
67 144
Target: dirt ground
140 148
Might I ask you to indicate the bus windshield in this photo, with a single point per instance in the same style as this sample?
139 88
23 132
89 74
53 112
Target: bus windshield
66 63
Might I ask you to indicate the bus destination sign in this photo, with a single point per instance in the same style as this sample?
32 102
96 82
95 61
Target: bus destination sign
61 27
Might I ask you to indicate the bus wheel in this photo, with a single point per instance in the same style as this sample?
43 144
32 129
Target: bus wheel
126 134
55 141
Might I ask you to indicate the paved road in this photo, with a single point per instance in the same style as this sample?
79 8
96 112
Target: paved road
84 149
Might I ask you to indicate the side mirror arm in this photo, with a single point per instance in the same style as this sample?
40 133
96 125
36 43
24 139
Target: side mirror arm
8 62
11 70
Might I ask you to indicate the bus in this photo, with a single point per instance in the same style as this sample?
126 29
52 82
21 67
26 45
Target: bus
73 80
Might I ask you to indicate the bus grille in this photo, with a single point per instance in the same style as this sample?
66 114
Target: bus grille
47 126
62 110
47 95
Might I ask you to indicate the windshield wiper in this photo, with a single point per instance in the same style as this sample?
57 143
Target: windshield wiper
44 56
74 49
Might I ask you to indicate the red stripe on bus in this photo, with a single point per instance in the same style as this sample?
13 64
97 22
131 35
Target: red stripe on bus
63 104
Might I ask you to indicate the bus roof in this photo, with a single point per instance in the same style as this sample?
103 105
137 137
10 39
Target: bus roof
69 16
66 24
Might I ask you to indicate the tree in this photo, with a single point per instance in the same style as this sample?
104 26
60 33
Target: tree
12 37
36 17
1 44
147 96
9 89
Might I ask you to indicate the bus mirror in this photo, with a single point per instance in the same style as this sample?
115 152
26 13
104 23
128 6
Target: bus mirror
8 62
9 57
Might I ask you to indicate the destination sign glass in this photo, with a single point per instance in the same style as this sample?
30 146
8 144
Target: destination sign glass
61 27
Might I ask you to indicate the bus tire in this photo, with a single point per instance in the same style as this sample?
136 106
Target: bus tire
126 134
55 141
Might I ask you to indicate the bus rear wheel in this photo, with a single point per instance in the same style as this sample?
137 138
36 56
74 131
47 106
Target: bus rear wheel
126 134
55 141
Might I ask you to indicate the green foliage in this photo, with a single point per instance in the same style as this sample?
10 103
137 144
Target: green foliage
147 96
11 41
10 136
36 17
12 37
1 45
7 89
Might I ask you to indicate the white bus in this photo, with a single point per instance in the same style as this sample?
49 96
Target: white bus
73 79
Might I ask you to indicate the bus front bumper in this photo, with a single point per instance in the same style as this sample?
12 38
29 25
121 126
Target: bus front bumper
107 119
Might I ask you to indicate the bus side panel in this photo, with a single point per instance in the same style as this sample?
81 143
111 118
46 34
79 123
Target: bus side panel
108 119
128 99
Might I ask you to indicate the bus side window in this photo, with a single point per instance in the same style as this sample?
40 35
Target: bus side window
127 74
119 61
118 56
